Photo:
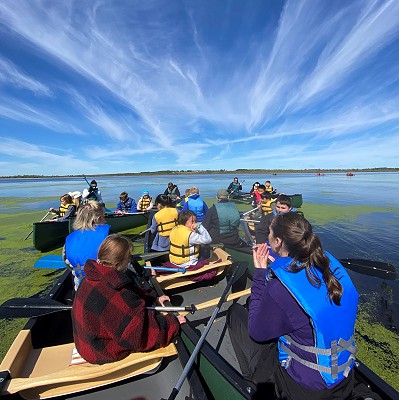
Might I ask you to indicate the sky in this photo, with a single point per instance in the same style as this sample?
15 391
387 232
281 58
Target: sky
97 87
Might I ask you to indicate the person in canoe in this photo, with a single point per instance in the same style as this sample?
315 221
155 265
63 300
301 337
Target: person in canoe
92 193
254 187
66 210
234 188
269 187
172 191
283 206
196 203
222 221
257 195
164 220
298 331
186 239
126 204
109 315
90 229
77 199
145 202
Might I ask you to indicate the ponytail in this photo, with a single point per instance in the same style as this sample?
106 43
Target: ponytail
307 252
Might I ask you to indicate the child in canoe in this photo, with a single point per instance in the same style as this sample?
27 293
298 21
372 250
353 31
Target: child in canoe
185 241
109 315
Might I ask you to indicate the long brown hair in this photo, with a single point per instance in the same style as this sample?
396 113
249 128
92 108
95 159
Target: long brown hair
115 251
306 250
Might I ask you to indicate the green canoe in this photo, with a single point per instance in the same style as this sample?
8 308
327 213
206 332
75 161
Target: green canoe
51 235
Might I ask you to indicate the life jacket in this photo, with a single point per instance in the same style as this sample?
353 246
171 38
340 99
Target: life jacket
180 251
229 217
166 220
64 208
270 189
267 207
333 326
196 204
234 188
172 193
144 203
83 245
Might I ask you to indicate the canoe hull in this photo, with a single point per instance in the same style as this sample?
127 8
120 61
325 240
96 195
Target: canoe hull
51 235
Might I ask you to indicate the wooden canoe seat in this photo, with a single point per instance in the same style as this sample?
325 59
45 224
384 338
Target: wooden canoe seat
219 259
47 372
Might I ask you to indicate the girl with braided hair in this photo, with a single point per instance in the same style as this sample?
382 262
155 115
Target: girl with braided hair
298 333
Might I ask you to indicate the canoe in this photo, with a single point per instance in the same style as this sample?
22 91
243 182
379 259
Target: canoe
215 374
296 199
50 235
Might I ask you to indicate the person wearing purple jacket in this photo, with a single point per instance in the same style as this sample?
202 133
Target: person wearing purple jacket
298 333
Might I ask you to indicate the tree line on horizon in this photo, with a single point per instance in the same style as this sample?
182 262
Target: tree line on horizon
219 171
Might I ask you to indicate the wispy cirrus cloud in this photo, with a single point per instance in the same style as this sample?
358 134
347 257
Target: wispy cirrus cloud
11 75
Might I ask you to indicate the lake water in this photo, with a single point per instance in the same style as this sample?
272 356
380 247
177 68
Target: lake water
370 233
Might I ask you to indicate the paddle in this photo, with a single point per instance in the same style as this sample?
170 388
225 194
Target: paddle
53 261
20 307
168 269
191 309
201 340
31 307
140 234
30 233
249 212
372 268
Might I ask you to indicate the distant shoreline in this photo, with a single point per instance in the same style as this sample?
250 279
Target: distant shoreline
216 172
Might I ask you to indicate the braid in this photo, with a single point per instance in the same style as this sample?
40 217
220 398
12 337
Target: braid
307 252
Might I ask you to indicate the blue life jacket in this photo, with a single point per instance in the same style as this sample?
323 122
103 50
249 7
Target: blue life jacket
196 204
229 217
81 246
333 326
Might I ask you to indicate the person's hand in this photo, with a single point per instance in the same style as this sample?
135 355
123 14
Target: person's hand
181 319
162 299
52 209
260 255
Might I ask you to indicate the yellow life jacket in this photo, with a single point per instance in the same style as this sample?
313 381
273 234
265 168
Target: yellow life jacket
269 189
166 220
266 207
180 251
144 203
64 208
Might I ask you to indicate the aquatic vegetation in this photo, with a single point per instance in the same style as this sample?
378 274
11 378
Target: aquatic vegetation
321 214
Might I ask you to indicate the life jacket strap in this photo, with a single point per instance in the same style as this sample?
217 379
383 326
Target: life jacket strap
337 348
333 370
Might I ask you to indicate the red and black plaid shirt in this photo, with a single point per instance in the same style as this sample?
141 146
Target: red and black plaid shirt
110 319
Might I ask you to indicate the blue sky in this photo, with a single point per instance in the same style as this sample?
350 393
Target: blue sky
127 86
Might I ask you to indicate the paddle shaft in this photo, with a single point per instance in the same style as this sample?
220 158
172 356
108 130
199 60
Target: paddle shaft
191 309
249 212
201 340
168 269
140 234
30 233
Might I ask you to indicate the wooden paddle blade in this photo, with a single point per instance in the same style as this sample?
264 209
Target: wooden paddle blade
50 261
372 268
20 307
